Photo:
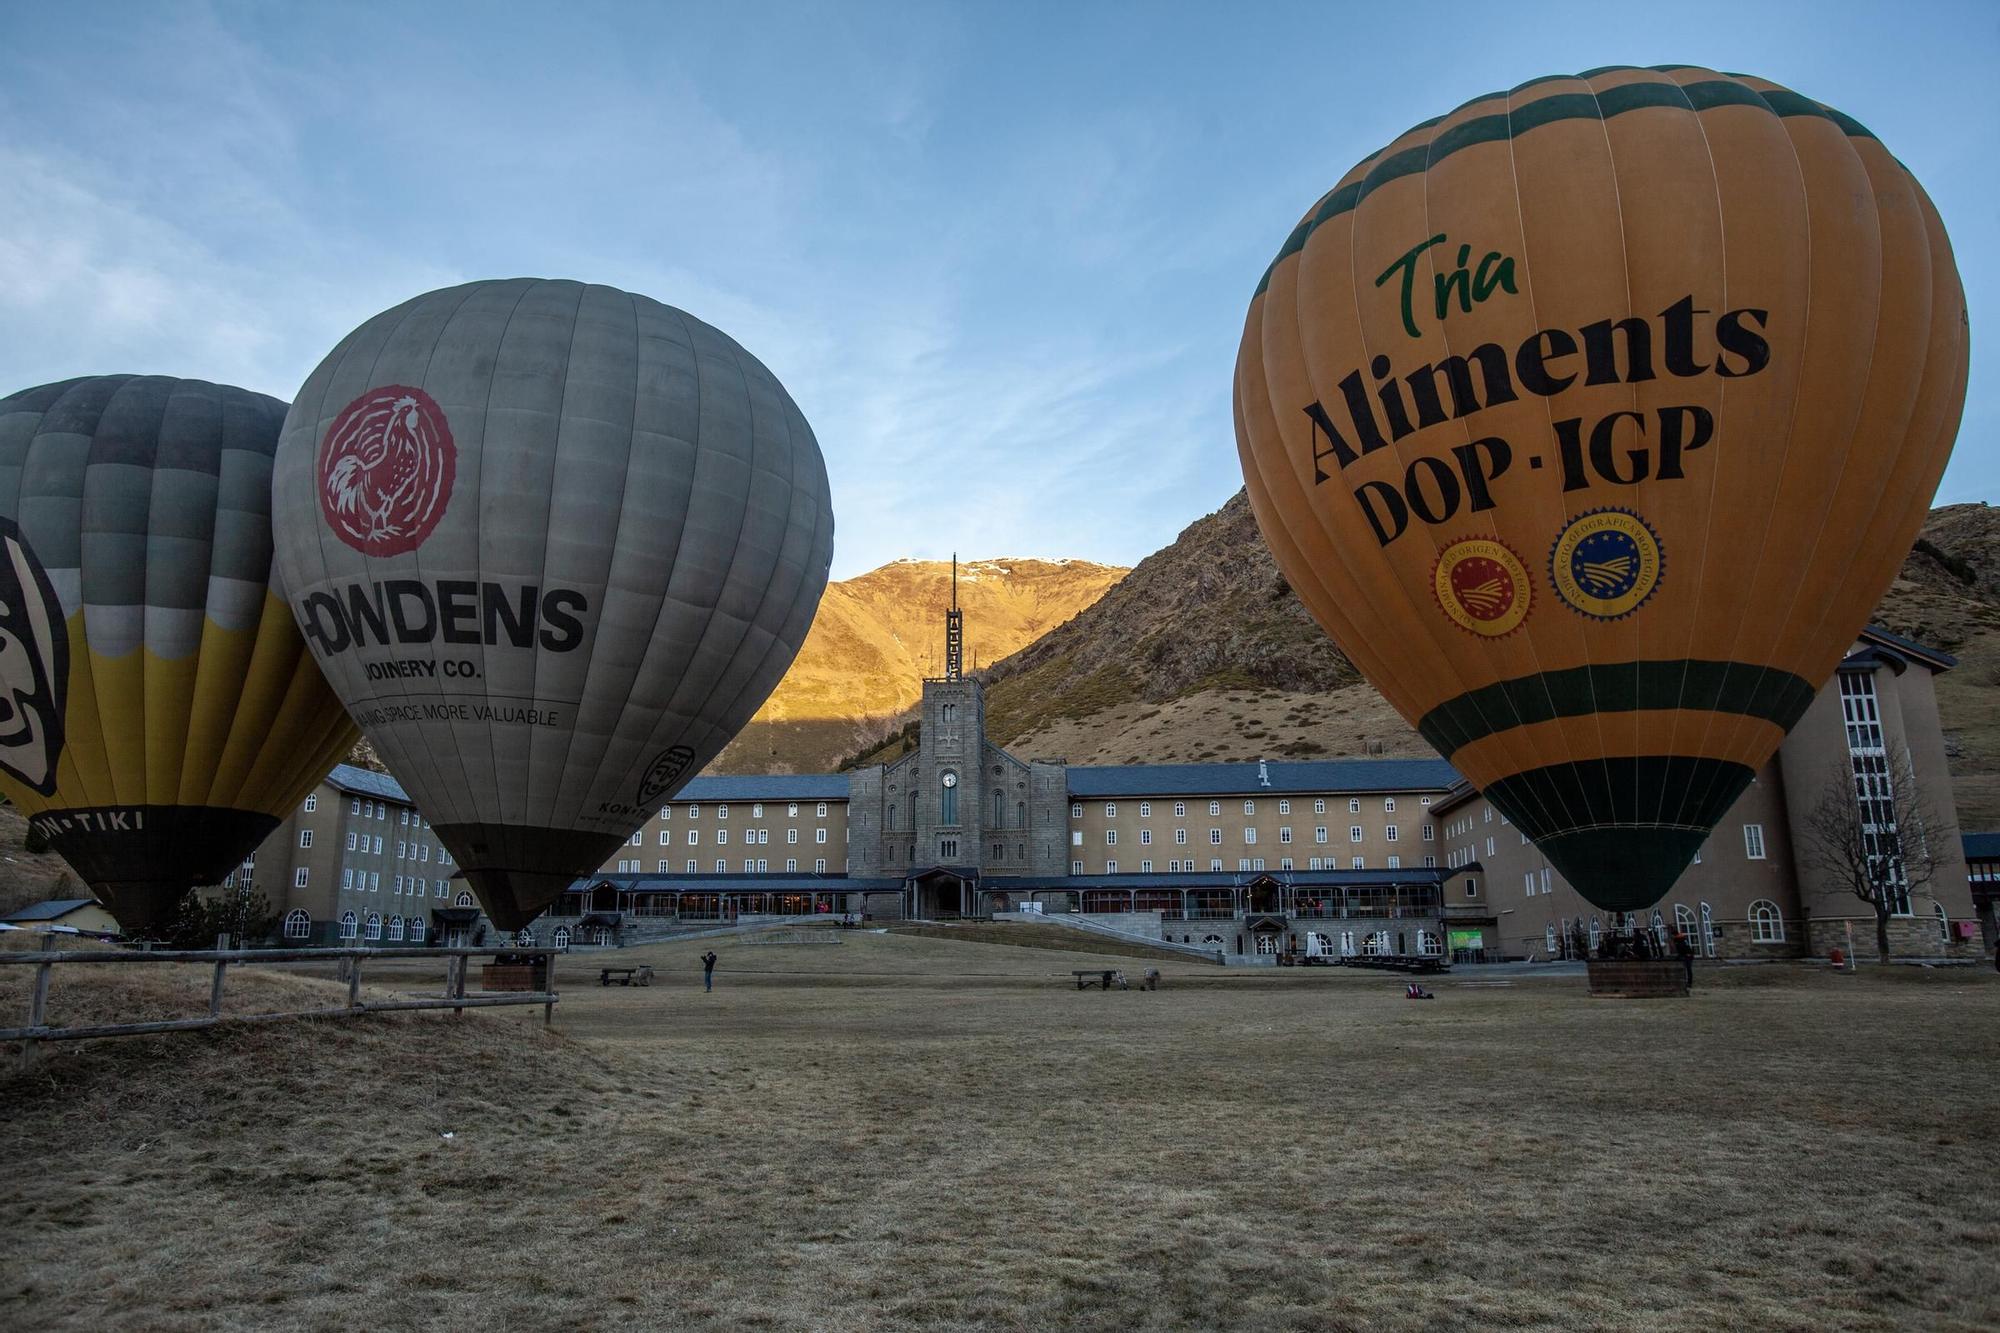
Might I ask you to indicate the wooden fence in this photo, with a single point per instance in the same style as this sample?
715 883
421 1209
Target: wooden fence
454 997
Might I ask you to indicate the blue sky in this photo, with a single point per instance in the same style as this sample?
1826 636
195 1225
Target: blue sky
998 253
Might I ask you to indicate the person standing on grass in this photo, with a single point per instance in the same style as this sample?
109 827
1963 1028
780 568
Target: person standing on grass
1685 952
708 970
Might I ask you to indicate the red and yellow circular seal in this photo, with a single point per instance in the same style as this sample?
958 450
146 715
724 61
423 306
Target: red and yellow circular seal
1482 586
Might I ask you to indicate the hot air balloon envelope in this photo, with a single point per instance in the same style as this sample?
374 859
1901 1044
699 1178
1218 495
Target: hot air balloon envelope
1592 419
158 712
553 544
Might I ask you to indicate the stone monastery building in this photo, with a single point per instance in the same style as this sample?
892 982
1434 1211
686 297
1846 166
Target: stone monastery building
1246 861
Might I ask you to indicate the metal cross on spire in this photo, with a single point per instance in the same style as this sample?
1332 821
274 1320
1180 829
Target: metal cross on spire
954 630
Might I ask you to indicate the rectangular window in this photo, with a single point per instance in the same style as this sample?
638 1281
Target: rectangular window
694 837
347 879
1076 837
756 810
722 837
1076 811
305 837
662 868
749 865
819 867
666 812
666 838
1215 864
1389 832
397 887
1111 837
693 867
378 844
1076 867
1354 805
1215 837
791 835
1110 867
791 864
1145 837
424 852
722 812
822 809
1285 863
1215 807
1753 841
1180 837
356 808
402 848
1249 836
1430 832
1360 863
1395 863
1242 863
1285 834
694 811
1354 833
1430 861
350 842
721 867
819 835
1545 880
1145 867
1388 805
299 878
1319 834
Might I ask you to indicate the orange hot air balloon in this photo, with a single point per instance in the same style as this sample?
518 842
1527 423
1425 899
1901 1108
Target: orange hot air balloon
1592 419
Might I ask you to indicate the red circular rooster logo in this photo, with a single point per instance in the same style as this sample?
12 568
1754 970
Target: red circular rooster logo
385 470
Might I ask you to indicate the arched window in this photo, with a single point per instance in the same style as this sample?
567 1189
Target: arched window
1549 940
949 713
562 937
948 798
1684 922
298 925
464 899
1377 943
374 929
396 929
1267 943
1707 931
1944 923
999 809
416 930
1211 942
1767 923
525 938
1596 933
347 925
1429 944
1659 929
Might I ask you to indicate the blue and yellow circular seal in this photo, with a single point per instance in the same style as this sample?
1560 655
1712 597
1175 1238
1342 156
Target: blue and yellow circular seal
1606 563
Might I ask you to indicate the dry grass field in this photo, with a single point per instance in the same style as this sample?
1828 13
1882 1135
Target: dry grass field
901 1132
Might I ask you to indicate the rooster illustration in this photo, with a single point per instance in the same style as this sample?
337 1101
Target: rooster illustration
388 469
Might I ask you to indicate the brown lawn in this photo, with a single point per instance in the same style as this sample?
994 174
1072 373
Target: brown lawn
901 1132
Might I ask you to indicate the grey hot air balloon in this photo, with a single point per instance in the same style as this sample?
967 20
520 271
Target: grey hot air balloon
552 544
158 711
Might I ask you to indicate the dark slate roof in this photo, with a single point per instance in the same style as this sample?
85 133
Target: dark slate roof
803 787
1297 879
54 909
367 782
1287 779
1981 846
1936 659
796 787
734 883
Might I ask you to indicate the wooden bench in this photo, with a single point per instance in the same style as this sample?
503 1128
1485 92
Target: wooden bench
1100 976
625 976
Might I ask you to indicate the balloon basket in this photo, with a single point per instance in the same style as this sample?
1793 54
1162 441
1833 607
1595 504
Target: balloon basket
1637 978
505 973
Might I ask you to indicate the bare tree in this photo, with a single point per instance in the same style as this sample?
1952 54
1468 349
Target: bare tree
1874 832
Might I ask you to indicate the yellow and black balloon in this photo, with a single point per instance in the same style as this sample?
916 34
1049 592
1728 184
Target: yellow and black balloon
159 713
1592 419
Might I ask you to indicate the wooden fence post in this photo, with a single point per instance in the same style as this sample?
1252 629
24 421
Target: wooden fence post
38 1004
215 986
